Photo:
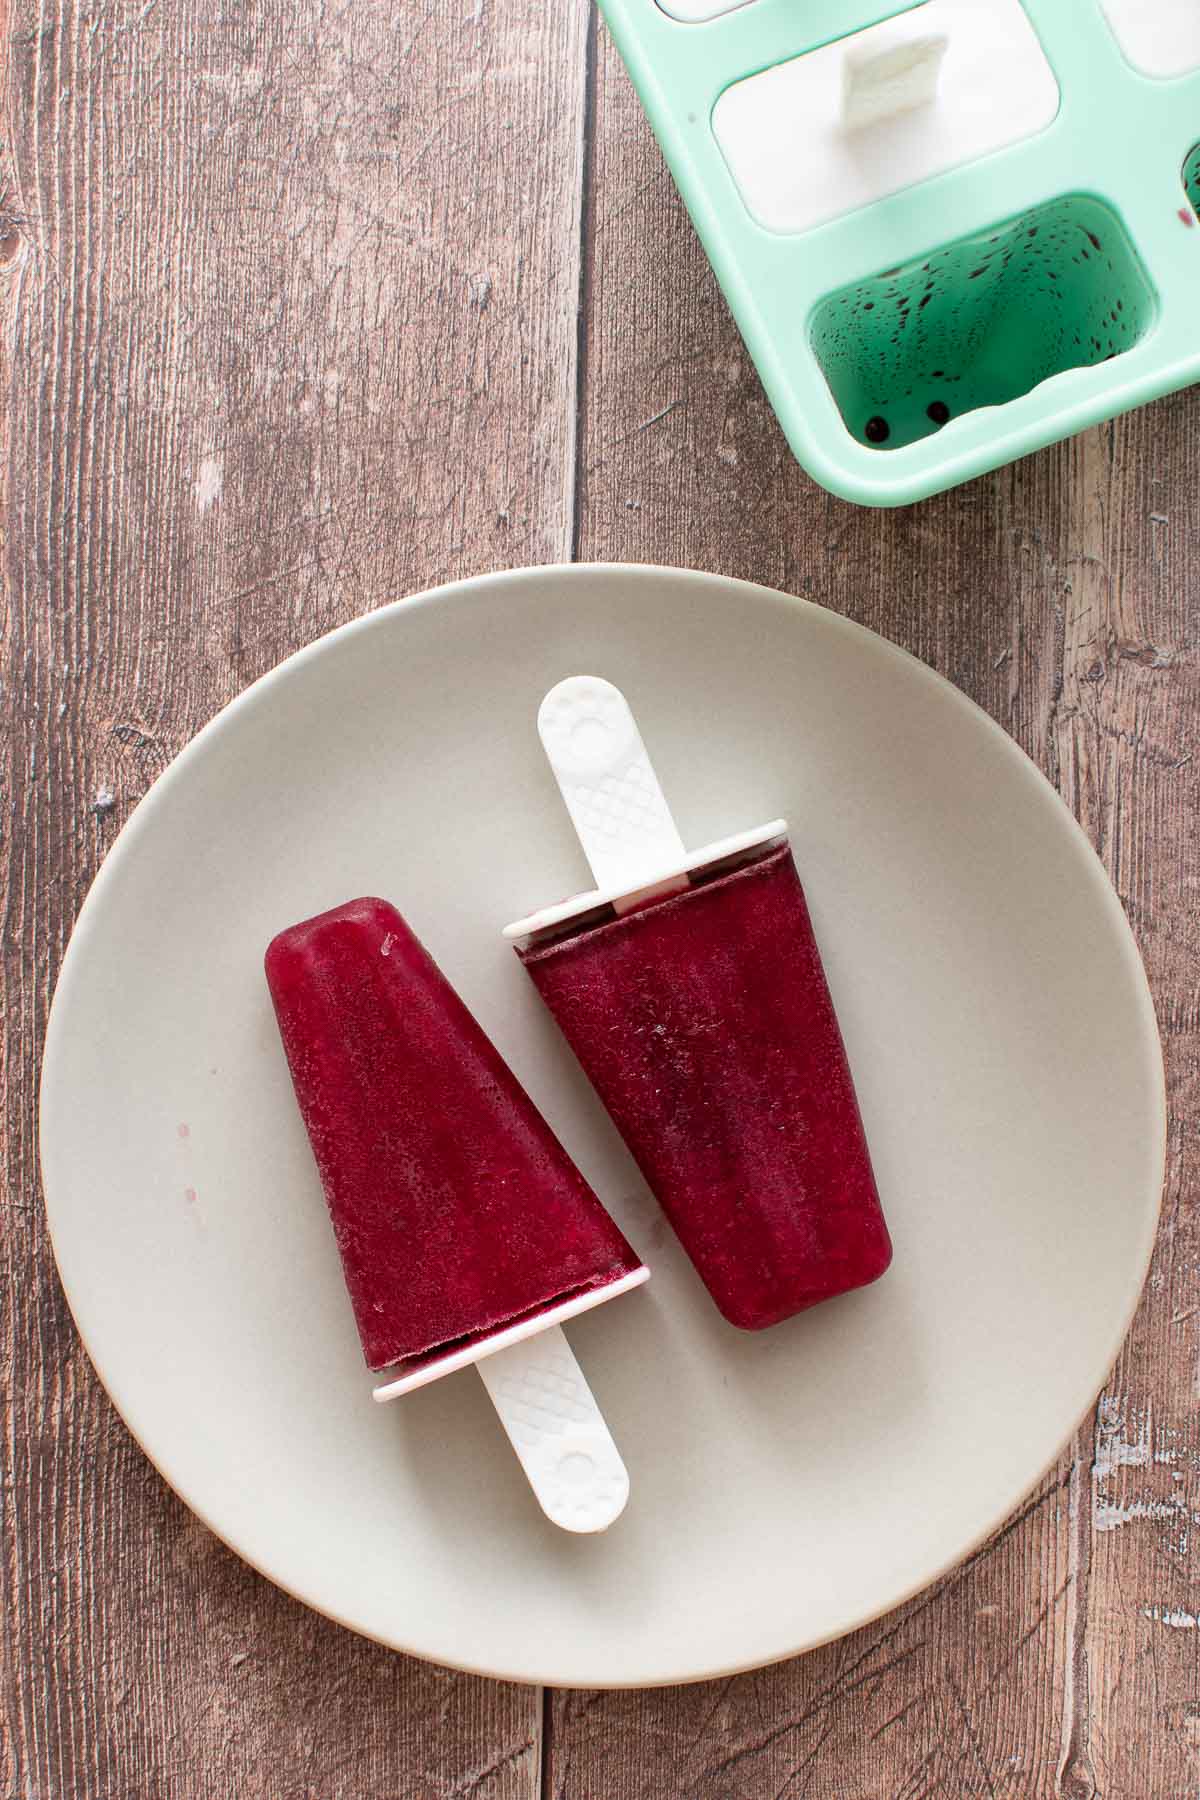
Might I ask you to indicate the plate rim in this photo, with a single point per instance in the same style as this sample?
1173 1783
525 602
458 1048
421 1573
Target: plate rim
495 583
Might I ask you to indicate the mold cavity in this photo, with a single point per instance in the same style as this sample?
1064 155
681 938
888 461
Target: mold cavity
984 320
1191 177
1160 38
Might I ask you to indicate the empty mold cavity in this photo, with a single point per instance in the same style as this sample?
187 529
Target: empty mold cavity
1159 37
1191 177
982 321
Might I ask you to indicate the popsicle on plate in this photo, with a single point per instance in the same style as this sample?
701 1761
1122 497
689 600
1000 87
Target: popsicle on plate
466 1233
691 989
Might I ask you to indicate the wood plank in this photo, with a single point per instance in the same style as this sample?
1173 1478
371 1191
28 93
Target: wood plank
1124 730
1062 1660
291 321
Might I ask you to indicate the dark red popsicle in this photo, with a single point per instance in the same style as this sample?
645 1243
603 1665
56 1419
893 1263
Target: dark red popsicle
704 1021
457 1212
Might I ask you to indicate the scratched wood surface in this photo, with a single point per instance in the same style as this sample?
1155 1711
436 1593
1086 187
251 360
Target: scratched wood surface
308 306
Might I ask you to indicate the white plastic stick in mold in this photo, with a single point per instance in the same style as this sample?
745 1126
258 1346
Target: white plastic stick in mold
891 70
617 806
837 128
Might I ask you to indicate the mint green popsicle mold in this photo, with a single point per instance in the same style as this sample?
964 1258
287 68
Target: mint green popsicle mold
954 326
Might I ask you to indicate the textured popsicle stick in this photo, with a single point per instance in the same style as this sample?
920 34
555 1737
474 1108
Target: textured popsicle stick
617 806
608 782
558 1432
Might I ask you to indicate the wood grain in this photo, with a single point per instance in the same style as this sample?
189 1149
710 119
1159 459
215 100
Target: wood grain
284 272
298 305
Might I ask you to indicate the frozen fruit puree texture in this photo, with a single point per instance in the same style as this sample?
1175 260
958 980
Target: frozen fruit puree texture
705 1023
457 1212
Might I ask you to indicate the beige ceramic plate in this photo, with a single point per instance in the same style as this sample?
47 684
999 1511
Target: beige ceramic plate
786 1486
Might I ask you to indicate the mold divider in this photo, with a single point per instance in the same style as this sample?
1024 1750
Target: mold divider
1078 42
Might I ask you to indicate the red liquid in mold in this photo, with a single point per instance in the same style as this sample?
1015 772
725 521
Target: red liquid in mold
706 1026
457 1211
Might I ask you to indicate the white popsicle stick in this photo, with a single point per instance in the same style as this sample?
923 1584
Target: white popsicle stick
617 806
558 1432
547 1409
890 70
608 783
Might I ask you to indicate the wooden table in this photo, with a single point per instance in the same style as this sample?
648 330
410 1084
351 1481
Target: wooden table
309 306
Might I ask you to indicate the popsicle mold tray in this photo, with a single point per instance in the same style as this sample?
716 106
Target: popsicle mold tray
950 232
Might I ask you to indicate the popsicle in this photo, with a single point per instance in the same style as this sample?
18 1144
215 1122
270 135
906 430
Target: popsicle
691 989
466 1233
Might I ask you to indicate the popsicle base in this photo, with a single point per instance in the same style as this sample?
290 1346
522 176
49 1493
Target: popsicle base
467 1354
628 896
